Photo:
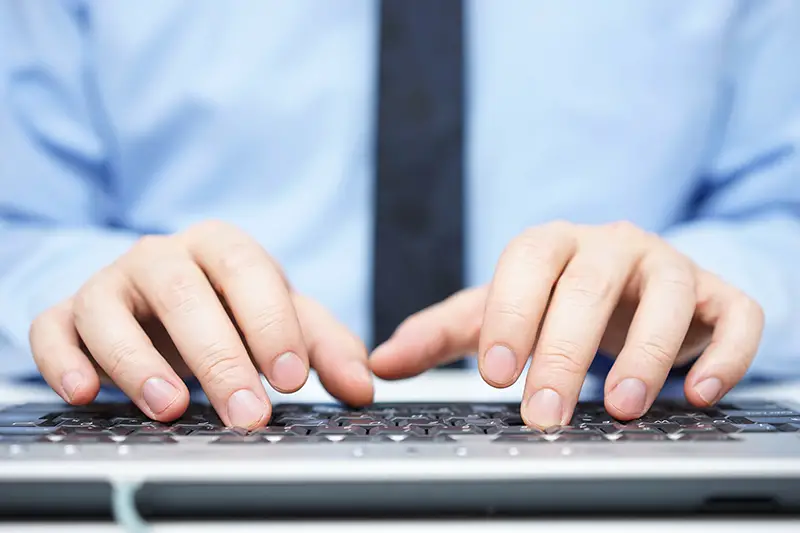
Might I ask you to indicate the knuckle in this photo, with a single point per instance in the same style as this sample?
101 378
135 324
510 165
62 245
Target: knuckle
239 258
271 320
511 312
585 287
150 245
38 333
657 351
534 248
561 356
625 230
219 366
121 356
88 298
676 272
177 293
39 325
752 308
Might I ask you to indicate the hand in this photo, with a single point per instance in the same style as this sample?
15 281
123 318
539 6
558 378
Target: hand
560 292
208 302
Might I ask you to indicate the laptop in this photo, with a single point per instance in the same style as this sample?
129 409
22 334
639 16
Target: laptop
397 458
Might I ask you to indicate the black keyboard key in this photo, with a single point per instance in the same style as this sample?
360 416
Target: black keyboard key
87 430
762 413
302 440
303 420
144 428
9 418
728 428
775 420
302 429
346 421
329 410
460 431
280 431
128 421
580 436
683 420
757 428
397 432
409 421
664 428
426 429
512 420
696 428
738 420
325 431
745 405
214 432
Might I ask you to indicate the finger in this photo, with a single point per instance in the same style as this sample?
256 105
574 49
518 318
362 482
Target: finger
104 319
257 294
179 293
518 296
581 305
655 336
437 335
338 356
58 355
739 323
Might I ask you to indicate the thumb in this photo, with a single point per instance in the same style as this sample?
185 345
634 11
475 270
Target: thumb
435 336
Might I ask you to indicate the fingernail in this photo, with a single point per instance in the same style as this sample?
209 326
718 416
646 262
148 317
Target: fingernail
544 408
159 394
245 410
629 396
359 372
499 365
709 389
288 372
71 382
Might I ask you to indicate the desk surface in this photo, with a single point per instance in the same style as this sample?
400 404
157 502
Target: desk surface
441 386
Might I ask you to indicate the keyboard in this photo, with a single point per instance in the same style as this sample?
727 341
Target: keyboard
118 424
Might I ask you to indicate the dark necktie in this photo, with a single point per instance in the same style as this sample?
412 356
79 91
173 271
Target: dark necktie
418 248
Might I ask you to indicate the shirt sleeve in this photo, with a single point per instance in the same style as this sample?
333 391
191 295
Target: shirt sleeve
745 224
55 201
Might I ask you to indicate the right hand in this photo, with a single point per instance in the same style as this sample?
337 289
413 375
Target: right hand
207 302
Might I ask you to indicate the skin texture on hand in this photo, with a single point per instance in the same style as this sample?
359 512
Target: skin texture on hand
209 302
559 293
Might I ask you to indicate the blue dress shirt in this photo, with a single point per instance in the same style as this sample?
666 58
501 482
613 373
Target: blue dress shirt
123 118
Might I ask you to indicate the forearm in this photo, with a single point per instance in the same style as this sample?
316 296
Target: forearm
760 257
40 267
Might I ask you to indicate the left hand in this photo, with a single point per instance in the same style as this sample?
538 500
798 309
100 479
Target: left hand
561 292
